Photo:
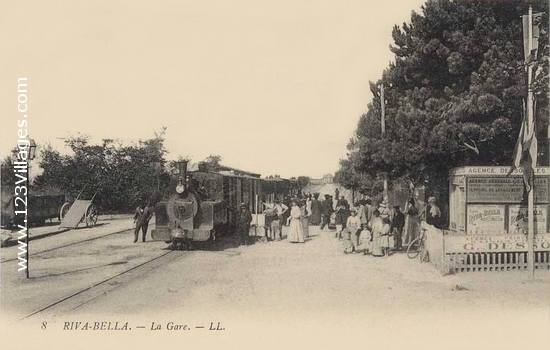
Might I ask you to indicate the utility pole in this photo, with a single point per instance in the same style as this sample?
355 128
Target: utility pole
530 125
383 124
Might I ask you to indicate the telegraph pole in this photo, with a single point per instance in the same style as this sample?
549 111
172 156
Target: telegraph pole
530 125
383 124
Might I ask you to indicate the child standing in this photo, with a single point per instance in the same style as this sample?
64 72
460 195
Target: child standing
276 229
365 241
385 236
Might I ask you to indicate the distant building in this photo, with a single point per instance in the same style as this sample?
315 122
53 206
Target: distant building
326 179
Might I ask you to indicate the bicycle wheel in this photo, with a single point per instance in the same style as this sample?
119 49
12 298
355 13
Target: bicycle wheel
413 249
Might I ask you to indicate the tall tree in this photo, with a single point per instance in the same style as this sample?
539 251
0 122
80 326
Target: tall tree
454 94
120 176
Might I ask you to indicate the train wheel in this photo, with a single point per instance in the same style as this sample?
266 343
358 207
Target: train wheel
91 215
64 210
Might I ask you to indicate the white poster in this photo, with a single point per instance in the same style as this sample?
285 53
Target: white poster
485 219
518 223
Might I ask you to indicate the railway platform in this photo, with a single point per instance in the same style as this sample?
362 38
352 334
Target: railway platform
9 237
99 275
70 261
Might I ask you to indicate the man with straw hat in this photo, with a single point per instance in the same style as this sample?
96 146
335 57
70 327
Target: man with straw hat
353 228
383 209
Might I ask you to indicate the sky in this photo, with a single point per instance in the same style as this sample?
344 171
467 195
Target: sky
273 87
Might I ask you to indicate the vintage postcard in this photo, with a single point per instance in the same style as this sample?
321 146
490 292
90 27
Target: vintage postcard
274 174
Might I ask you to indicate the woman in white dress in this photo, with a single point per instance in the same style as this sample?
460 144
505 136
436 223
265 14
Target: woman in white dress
296 232
376 227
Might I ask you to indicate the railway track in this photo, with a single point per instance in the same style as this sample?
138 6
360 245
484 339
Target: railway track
72 244
88 294
109 276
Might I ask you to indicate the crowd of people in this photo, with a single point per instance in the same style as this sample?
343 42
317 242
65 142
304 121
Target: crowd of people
379 231
364 227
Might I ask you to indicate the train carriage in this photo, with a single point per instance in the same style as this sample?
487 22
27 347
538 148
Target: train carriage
39 209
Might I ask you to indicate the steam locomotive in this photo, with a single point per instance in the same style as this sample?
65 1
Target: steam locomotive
205 204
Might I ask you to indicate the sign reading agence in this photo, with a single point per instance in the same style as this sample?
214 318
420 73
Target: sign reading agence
486 189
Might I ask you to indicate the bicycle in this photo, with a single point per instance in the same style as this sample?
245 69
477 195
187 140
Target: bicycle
418 248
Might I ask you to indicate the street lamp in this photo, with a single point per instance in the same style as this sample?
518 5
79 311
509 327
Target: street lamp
30 156
32 150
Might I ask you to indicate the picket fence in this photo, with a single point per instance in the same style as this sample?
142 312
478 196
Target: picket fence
448 256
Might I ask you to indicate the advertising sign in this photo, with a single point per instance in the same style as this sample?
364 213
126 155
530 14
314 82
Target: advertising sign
485 219
517 219
494 243
487 189
495 170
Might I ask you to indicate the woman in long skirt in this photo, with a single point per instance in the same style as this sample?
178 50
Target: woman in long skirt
315 217
304 219
296 232
412 223
376 228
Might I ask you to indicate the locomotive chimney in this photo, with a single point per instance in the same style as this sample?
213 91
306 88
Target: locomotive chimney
181 181
182 167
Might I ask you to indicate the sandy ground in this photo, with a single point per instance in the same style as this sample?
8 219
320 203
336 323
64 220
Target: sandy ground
61 272
283 295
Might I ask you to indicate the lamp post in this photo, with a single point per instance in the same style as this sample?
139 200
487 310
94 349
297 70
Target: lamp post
30 156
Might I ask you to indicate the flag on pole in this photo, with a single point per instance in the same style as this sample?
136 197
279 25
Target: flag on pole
531 55
525 152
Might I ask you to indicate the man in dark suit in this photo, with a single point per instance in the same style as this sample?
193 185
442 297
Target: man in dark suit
326 211
243 224
342 214
141 217
397 224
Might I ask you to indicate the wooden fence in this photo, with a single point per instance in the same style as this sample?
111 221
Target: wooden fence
452 253
435 245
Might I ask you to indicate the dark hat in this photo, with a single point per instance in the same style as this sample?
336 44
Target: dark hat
327 195
396 207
